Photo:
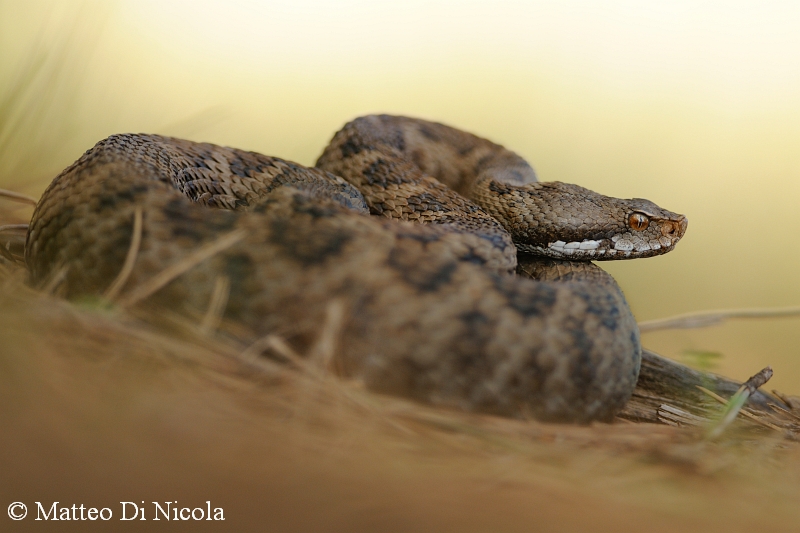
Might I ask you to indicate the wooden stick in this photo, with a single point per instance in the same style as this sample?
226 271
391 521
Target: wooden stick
663 381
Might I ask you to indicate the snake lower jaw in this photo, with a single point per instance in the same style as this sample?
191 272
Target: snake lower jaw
606 251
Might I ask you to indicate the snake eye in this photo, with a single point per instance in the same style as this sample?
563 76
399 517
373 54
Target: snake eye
638 221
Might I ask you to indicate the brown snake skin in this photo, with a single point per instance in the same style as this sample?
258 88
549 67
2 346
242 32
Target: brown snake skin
431 311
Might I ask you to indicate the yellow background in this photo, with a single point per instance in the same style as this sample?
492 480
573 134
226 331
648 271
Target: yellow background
694 105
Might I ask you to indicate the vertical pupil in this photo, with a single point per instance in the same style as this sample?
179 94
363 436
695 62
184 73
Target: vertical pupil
638 221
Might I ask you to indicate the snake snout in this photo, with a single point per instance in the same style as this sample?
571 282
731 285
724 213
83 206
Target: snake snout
675 228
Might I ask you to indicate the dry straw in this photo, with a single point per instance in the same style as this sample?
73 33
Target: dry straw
158 281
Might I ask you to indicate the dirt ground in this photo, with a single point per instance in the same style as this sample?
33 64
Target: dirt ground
98 408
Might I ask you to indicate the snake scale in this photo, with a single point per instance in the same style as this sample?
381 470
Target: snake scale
471 285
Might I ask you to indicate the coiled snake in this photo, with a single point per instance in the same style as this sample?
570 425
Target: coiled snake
432 307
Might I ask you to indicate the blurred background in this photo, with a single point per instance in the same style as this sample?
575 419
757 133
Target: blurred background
694 105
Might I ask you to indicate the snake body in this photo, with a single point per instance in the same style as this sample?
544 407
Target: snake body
432 307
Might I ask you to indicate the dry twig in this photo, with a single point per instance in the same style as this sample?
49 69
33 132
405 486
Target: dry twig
18 197
705 319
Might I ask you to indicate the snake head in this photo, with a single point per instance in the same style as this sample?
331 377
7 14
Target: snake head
574 223
648 230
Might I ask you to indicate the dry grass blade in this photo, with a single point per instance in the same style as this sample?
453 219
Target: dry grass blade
18 197
321 353
158 281
729 413
252 352
251 355
785 412
55 279
216 305
310 368
36 101
325 348
279 346
22 87
793 402
12 242
127 267
711 318
749 415
734 406
14 228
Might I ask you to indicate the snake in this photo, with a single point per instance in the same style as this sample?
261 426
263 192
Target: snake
463 281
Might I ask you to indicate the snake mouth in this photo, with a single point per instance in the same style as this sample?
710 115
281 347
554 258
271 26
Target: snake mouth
624 246
629 244
585 250
586 246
